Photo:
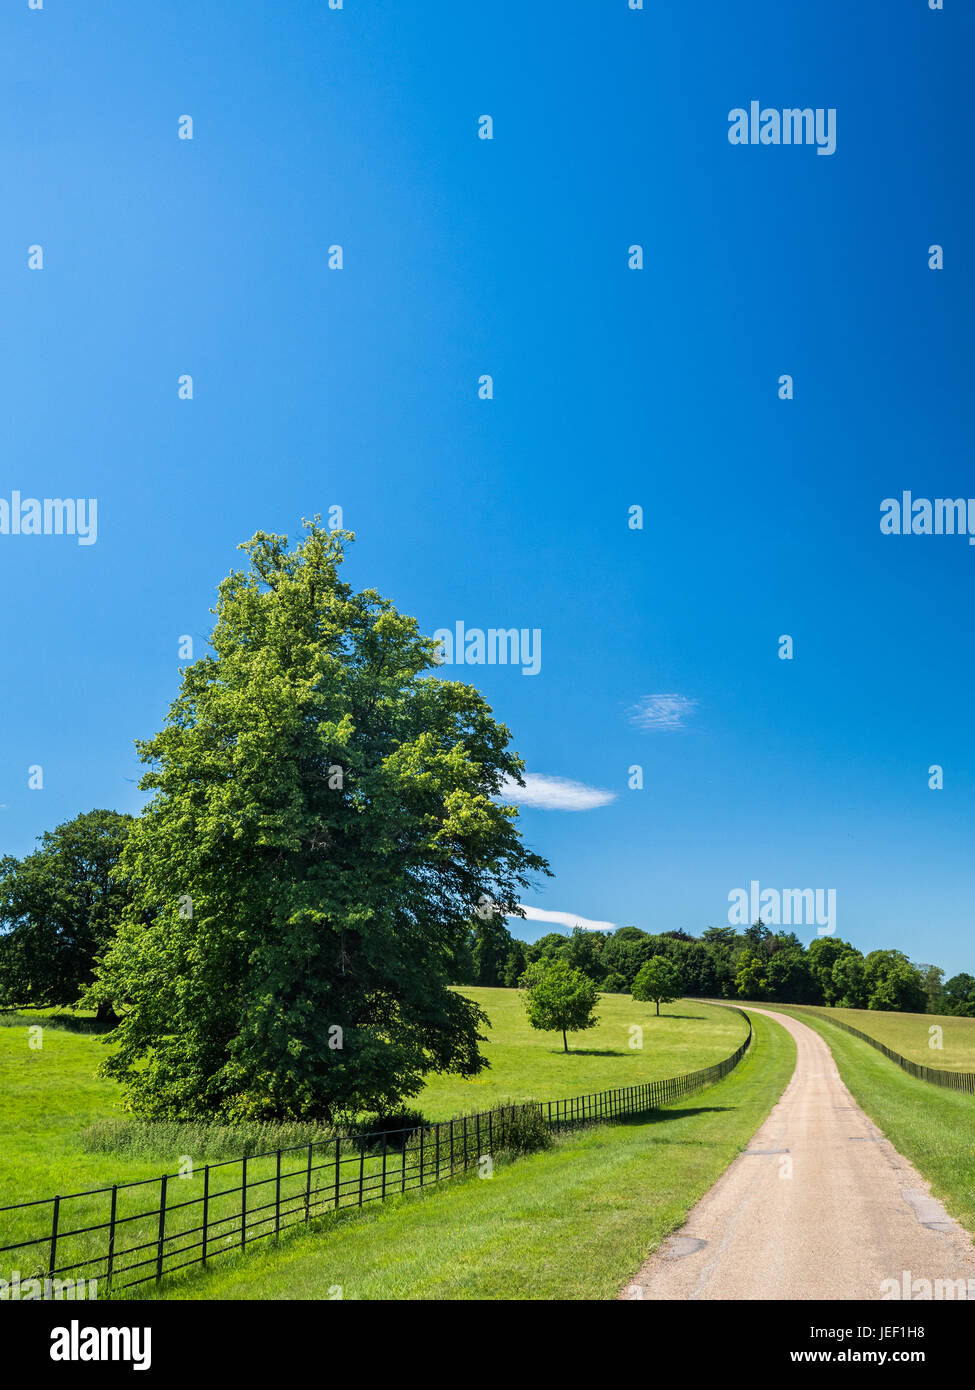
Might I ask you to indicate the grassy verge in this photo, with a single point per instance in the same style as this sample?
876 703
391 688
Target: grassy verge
911 1034
573 1223
932 1127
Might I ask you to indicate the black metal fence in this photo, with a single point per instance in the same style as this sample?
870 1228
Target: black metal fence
953 1080
133 1233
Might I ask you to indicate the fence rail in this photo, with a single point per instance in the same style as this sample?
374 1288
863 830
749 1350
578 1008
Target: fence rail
953 1080
282 1188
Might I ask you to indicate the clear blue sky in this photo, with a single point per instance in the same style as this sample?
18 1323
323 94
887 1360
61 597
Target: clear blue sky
612 387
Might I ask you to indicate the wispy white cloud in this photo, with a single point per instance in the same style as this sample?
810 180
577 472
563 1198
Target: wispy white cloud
563 919
555 793
662 711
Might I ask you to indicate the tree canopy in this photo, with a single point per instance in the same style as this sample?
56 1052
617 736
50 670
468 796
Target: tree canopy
658 982
59 907
559 998
325 819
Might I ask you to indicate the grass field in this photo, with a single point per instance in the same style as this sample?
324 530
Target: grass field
527 1065
49 1095
932 1127
573 1223
911 1036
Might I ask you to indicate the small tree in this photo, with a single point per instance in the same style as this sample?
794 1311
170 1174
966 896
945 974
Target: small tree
557 997
658 981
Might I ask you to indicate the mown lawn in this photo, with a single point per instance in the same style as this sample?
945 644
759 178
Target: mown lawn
527 1065
911 1035
932 1127
575 1222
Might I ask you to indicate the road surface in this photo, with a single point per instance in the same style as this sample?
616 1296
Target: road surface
820 1205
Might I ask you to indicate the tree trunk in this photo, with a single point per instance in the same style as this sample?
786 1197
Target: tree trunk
658 1008
105 1014
565 1045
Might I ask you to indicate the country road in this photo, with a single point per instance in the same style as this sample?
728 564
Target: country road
820 1205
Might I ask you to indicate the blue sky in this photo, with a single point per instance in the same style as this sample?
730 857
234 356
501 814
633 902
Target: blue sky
613 387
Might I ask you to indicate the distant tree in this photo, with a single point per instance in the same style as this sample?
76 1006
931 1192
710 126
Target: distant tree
959 995
823 953
757 937
849 985
551 946
614 983
559 998
719 936
932 979
515 963
583 952
491 943
892 983
789 978
658 982
59 908
623 952
750 977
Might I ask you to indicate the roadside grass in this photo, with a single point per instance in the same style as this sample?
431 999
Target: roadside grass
932 1127
909 1034
575 1222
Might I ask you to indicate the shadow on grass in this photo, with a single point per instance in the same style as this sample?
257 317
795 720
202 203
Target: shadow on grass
66 1023
588 1052
656 1117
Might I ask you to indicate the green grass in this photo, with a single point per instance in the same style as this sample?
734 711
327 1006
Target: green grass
50 1095
932 1127
575 1222
527 1065
910 1034
59 1118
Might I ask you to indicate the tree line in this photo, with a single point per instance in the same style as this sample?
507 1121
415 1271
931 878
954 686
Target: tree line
755 963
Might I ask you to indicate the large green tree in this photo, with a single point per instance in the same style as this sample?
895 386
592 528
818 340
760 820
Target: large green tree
59 907
326 818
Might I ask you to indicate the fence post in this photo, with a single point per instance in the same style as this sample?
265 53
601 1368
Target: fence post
491 1132
277 1197
336 1172
206 1209
465 1143
308 1188
162 1226
243 1201
421 1154
451 1148
111 1233
402 1186
477 1119
436 1171
385 1146
53 1260
362 1168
